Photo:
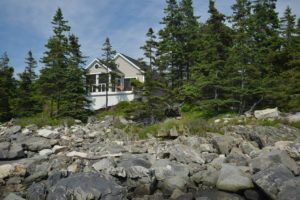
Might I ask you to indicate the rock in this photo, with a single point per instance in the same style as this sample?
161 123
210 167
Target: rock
12 130
117 172
137 172
94 187
57 148
207 148
5 170
223 144
233 179
207 177
74 167
253 195
77 154
103 164
290 190
272 158
77 121
46 133
248 148
46 152
36 177
293 118
271 179
9 151
216 195
176 194
266 135
185 154
36 191
164 168
12 196
130 161
236 157
292 148
272 113
172 183
36 143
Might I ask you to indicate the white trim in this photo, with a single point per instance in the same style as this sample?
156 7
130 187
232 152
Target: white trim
91 64
135 66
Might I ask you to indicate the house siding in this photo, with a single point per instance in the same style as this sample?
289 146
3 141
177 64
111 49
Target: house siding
129 70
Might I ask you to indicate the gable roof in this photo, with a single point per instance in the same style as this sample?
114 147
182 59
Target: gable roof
97 60
134 62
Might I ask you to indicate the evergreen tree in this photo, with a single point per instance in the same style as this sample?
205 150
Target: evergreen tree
7 88
53 77
153 85
108 59
190 34
26 102
75 102
210 75
287 25
169 48
150 48
243 74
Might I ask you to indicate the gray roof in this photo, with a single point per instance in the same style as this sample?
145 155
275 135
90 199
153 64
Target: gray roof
136 62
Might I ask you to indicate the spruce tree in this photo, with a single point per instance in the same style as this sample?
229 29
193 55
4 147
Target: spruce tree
74 99
210 75
108 59
53 77
26 101
243 73
150 48
7 88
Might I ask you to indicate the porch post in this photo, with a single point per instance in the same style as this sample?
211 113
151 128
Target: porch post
109 82
97 82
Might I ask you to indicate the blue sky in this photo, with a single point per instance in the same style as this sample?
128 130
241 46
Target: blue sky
26 24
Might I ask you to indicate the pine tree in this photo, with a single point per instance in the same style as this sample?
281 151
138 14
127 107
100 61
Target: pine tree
53 77
209 76
26 102
150 48
108 59
7 88
287 25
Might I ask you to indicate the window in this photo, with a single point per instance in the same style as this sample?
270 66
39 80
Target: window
127 84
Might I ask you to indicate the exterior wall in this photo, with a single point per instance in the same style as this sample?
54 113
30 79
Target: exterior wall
129 70
99 99
99 70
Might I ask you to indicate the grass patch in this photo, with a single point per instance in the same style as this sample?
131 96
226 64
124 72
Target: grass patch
44 120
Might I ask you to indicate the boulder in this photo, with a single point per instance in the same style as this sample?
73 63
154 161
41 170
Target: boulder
233 179
293 118
207 177
85 186
184 154
9 151
271 179
173 183
36 191
13 196
213 194
223 144
36 143
46 133
12 130
271 113
236 157
46 152
272 158
292 148
164 168
103 164
5 170
290 190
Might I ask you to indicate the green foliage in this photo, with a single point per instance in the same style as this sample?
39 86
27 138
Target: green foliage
7 88
44 120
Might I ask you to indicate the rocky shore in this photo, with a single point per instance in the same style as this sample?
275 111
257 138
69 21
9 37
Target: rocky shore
99 161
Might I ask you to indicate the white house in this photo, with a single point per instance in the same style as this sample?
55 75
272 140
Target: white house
120 88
